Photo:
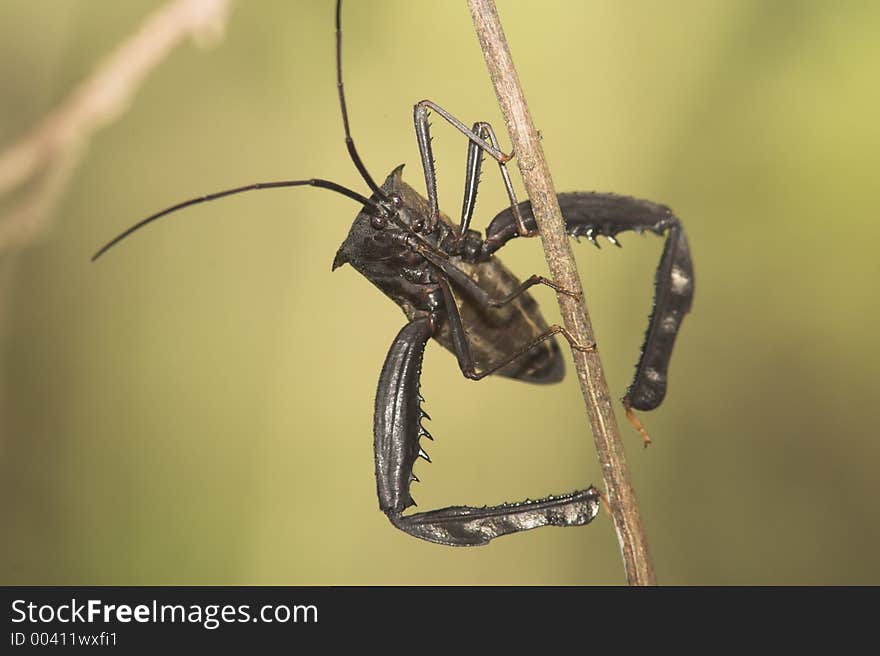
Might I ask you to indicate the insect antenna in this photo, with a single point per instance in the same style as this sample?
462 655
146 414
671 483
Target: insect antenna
314 182
372 205
349 142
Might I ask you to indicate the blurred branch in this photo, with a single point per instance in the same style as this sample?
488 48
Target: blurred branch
46 156
539 185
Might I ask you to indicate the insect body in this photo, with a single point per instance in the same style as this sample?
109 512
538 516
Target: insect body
452 287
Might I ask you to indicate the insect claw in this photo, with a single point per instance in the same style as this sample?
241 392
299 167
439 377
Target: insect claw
575 345
636 423
424 454
568 292
614 241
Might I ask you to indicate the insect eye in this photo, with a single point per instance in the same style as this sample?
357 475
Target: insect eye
396 201
378 222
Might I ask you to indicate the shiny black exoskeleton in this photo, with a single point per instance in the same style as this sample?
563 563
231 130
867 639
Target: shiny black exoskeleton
452 287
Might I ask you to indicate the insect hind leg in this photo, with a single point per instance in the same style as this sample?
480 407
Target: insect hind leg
466 526
595 214
397 432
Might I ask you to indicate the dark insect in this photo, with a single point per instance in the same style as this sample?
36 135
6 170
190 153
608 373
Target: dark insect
451 286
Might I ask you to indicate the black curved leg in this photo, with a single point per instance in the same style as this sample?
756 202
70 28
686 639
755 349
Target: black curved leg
593 215
396 432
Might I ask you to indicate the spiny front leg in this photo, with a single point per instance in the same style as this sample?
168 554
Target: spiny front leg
592 215
397 430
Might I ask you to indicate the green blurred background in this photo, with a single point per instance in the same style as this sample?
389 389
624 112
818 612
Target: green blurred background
197 407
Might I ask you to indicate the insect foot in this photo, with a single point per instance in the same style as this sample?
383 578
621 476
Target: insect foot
636 423
575 345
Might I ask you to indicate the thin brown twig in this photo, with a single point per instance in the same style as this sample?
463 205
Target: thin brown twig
539 185
49 152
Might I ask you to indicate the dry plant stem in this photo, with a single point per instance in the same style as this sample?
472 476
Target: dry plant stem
48 153
539 185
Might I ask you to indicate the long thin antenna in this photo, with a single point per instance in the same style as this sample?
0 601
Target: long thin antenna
314 182
349 142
